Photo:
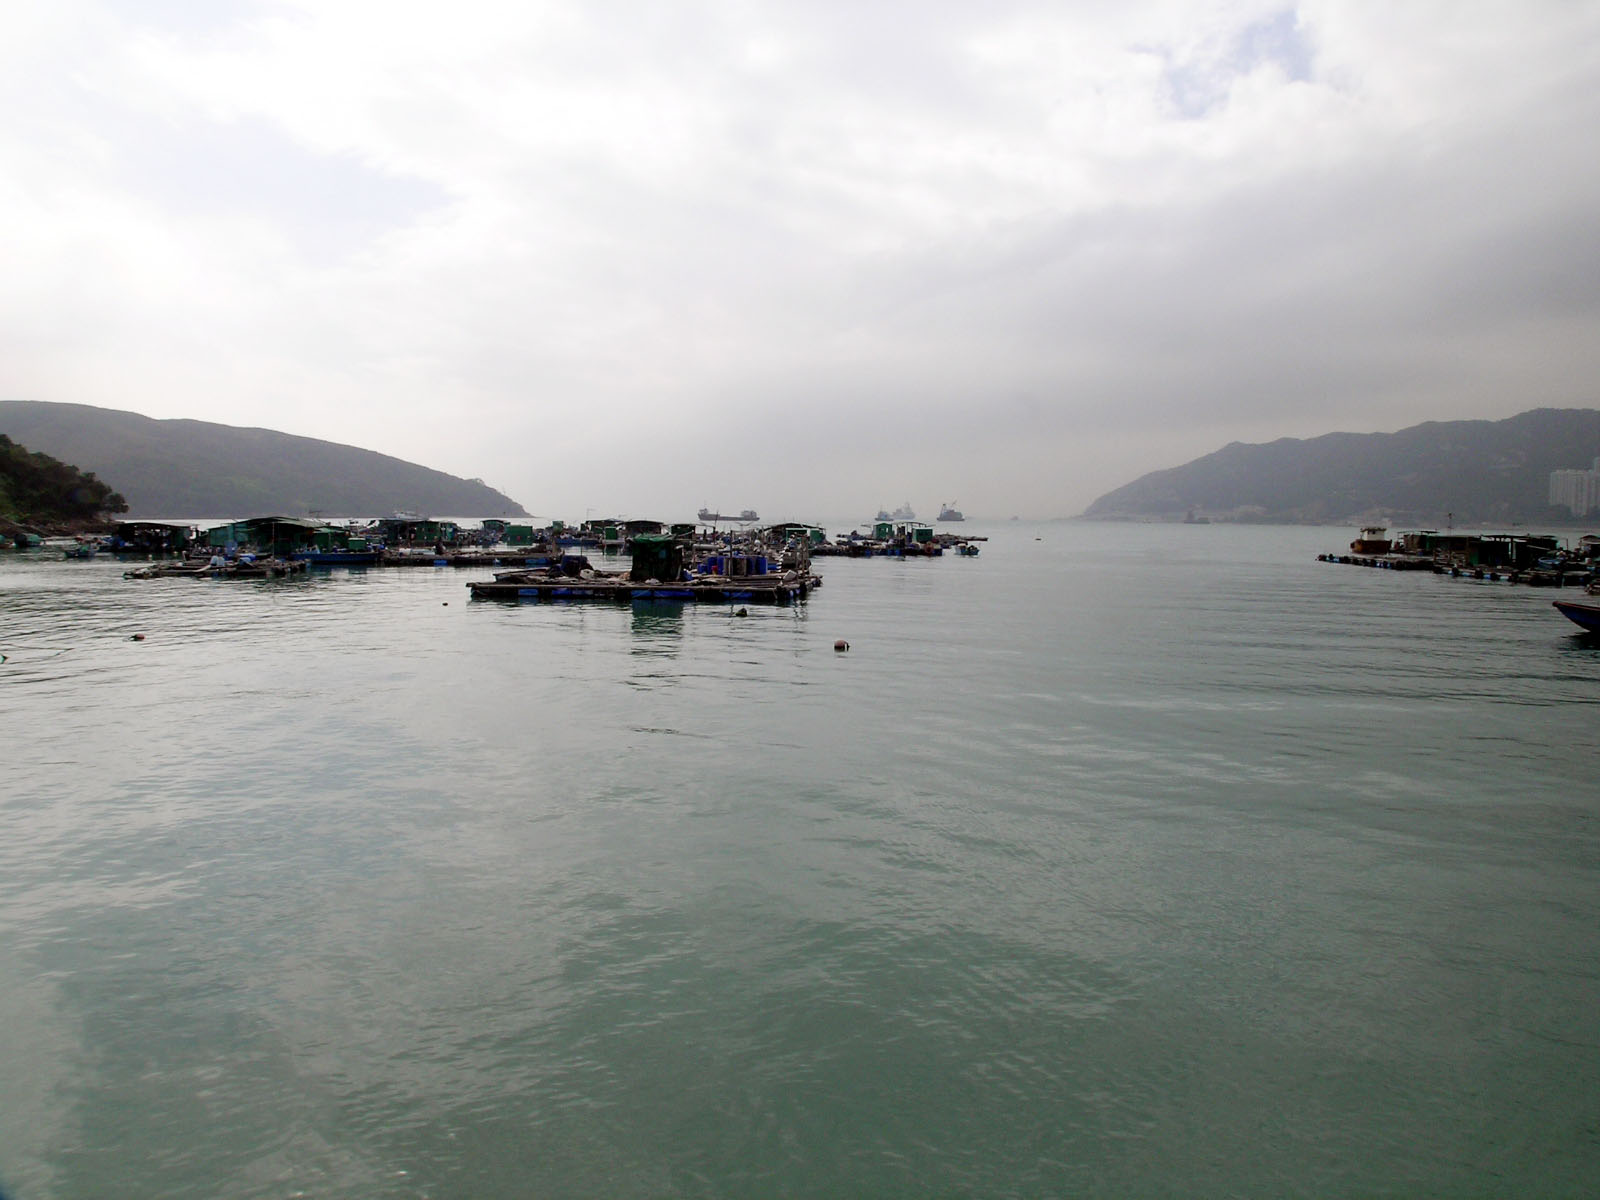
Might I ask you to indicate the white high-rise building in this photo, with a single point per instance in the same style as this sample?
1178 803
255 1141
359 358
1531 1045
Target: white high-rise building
1577 491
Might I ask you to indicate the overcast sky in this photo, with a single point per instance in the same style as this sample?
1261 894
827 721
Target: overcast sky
810 257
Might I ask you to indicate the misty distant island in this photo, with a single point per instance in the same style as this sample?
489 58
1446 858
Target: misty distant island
182 468
1466 472
1539 467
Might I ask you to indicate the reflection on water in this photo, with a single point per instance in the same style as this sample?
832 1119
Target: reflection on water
1122 862
657 627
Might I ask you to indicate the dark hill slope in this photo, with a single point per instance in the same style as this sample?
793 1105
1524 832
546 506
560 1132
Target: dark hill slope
199 469
39 490
1479 471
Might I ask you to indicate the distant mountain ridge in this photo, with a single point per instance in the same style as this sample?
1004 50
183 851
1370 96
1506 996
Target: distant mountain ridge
183 468
1491 472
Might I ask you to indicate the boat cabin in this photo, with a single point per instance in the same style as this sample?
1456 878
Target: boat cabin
1374 539
417 531
911 532
1507 551
785 530
152 537
279 537
657 556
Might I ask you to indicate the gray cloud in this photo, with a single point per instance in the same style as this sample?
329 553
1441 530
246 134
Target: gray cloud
809 257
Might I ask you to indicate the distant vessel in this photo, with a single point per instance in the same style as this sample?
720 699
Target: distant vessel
903 513
1373 540
706 515
950 512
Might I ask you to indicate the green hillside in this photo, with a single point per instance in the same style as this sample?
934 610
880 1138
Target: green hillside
1494 472
181 468
38 490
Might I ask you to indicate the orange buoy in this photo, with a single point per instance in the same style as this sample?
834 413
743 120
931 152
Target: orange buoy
841 644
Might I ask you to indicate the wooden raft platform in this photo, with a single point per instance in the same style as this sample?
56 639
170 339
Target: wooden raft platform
1389 562
619 589
1532 576
265 568
463 558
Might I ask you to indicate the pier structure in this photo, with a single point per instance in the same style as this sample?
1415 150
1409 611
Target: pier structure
1538 560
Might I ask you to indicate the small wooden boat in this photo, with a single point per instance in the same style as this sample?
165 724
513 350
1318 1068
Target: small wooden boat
1586 615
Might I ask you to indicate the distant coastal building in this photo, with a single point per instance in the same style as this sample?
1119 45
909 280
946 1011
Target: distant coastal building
1578 491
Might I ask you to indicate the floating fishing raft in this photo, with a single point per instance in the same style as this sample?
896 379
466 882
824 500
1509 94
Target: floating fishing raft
264 568
620 589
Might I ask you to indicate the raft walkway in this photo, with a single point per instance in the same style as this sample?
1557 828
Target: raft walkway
753 589
1533 577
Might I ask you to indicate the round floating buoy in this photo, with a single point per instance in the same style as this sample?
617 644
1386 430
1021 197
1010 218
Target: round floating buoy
447 604
841 645
138 637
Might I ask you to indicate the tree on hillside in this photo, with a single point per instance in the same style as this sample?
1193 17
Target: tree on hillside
36 487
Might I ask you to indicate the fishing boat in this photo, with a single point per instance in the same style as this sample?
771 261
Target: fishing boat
1373 539
1579 612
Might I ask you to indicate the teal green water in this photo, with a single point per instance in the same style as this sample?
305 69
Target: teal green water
1127 861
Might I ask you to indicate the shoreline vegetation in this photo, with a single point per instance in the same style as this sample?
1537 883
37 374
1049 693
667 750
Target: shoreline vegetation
44 496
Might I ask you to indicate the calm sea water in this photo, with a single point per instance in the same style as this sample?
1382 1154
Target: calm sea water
1118 861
